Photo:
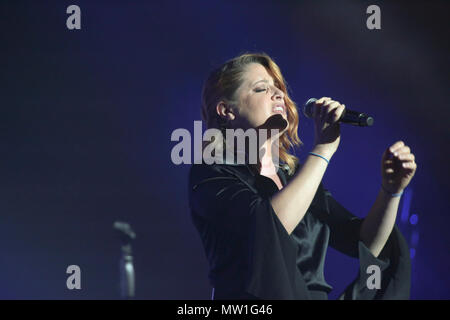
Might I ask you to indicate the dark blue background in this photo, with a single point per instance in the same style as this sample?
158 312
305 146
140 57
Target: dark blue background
86 119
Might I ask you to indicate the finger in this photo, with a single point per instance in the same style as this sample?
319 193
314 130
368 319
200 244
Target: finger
409 165
329 102
322 111
389 170
396 145
325 103
318 112
406 157
335 111
403 150
387 154
327 110
323 106
340 110
333 105
321 100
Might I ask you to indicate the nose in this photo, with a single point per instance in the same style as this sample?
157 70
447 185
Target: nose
277 93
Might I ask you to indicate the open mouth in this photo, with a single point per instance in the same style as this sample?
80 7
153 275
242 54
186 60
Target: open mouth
279 108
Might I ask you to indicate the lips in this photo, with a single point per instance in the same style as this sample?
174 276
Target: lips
279 108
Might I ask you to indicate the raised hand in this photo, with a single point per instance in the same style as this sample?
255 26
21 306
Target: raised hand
398 167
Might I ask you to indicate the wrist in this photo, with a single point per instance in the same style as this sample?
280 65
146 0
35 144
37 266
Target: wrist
396 193
323 152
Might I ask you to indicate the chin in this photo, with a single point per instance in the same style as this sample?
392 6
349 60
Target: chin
276 121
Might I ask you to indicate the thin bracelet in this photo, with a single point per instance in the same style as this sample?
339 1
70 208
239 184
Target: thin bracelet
318 155
392 194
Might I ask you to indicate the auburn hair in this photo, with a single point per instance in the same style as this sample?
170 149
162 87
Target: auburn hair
222 85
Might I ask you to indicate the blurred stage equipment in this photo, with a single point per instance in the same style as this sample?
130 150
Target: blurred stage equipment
127 277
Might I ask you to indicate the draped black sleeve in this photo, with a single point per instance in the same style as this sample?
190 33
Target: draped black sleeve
250 253
393 261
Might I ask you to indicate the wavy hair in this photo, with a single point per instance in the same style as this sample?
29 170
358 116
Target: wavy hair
222 85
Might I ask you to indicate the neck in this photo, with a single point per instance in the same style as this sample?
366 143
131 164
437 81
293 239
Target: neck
267 164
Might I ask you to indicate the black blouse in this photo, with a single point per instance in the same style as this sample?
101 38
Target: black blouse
251 255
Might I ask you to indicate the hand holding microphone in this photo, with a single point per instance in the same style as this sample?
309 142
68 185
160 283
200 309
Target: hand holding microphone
326 114
355 118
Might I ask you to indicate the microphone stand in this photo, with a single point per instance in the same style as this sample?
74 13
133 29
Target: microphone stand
126 267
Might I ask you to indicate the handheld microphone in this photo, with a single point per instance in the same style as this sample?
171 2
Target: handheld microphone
354 118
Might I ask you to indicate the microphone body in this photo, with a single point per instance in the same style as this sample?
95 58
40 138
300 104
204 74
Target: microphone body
351 117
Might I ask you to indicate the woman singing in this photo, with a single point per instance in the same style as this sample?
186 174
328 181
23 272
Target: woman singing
266 227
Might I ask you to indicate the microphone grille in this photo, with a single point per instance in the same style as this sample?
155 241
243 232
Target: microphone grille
307 107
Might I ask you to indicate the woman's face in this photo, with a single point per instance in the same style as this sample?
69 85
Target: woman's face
257 99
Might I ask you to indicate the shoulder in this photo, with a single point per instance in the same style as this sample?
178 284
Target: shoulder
201 173
198 172
213 188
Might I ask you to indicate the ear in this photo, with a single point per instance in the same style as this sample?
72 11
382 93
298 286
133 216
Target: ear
225 111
